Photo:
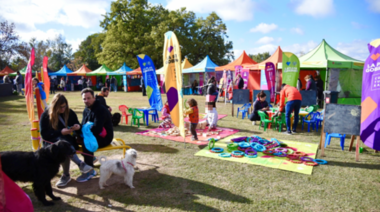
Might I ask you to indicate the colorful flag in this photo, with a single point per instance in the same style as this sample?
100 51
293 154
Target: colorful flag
237 72
290 68
270 72
370 115
173 79
29 88
245 75
150 80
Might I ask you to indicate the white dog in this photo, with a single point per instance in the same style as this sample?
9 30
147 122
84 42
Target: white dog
124 167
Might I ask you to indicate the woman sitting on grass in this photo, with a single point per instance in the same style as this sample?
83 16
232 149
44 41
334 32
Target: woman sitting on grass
259 105
58 122
167 121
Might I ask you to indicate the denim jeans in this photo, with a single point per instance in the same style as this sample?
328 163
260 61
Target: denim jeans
290 106
115 87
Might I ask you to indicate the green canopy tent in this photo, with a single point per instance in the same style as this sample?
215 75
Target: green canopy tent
339 71
102 70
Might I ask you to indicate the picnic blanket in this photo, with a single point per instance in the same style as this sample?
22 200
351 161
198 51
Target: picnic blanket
202 117
267 160
202 138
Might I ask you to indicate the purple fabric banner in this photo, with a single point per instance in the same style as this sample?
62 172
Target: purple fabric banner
245 74
370 116
270 72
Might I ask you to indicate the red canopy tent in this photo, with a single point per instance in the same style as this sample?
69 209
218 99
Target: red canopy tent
6 71
137 71
134 80
243 60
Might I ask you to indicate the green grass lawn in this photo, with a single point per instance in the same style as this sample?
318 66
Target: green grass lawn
171 178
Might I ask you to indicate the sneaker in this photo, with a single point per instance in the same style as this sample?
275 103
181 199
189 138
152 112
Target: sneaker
253 123
287 133
63 181
294 132
84 168
86 177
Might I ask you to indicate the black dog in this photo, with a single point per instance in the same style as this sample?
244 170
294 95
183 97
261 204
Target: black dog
38 167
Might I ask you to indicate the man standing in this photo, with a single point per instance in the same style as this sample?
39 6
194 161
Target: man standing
143 86
53 85
102 128
293 104
100 97
19 83
84 82
113 84
80 84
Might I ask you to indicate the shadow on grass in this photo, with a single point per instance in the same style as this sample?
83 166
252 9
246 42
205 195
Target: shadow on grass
354 165
133 129
153 148
152 189
11 98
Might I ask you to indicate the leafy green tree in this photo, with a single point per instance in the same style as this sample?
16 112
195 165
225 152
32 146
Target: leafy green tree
88 49
260 57
8 42
61 53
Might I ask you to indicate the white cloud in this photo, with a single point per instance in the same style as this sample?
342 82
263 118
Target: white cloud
265 40
356 49
357 25
374 5
300 48
297 30
40 35
27 13
315 8
264 28
237 53
74 43
238 10
271 48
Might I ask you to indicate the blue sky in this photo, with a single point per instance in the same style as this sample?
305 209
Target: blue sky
253 25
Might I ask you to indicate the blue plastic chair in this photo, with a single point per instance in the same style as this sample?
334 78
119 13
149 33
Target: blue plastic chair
319 119
312 121
244 110
154 114
335 135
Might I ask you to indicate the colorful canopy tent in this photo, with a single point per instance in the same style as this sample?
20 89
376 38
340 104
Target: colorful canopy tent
137 71
22 72
80 72
206 65
186 64
134 79
6 71
243 60
160 71
121 71
102 70
63 72
345 73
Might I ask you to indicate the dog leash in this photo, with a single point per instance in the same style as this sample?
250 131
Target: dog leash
124 166
76 150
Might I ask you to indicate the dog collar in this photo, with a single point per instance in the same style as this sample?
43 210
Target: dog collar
124 166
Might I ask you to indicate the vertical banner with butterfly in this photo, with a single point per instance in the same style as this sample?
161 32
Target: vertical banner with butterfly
290 68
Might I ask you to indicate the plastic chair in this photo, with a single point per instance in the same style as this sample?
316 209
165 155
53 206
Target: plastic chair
264 119
319 119
123 109
335 135
310 109
154 114
311 122
244 110
280 121
135 116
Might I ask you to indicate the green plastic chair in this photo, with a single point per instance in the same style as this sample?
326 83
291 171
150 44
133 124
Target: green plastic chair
279 121
264 119
310 109
136 116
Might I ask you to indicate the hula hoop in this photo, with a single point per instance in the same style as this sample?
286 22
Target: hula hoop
320 161
269 152
280 154
250 151
259 148
244 145
307 159
237 153
297 161
251 156
310 163
217 150
292 156
224 155
211 144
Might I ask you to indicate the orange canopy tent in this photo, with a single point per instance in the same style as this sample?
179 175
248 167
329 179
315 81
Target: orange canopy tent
6 71
137 71
80 72
243 60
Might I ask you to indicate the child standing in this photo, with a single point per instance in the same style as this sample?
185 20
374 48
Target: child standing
194 117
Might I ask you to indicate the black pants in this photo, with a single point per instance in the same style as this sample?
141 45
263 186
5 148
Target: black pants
193 131
52 90
143 91
89 156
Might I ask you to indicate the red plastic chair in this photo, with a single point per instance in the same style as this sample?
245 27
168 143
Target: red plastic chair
124 109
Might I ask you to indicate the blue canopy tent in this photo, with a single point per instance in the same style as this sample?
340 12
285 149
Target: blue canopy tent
205 67
121 75
62 73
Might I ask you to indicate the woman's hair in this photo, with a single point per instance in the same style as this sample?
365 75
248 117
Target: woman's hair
192 102
58 100
261 94
317 77
35 78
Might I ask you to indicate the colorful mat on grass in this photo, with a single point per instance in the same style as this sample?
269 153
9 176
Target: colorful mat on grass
267 160
202 139
203 115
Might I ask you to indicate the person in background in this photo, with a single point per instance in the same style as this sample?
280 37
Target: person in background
299 84
260 104
240 81
143 86
104 92
167 121
6 80
89 82
84 82
68 84
193 114
108 83
320 89
80 84
294 104
102 128
59 122
53 85
114 83
211 98
310 84
39 86
63 84
19 82
194 86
